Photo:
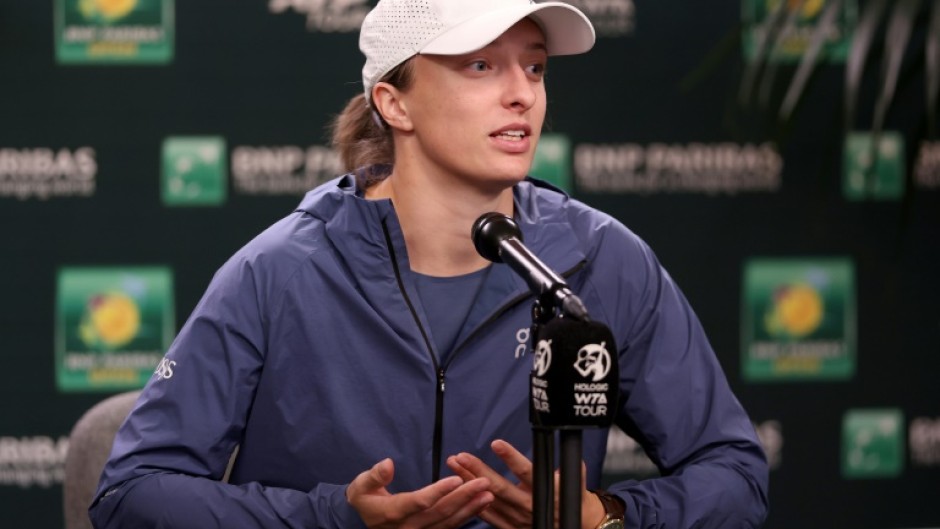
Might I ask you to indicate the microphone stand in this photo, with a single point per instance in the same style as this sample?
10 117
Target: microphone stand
577 394
550 307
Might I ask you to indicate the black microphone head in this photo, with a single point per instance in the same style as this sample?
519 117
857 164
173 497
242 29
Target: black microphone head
490 230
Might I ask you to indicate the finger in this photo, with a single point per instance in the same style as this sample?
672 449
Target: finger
512 503
406 504
458 469
373 480
515 460
457 506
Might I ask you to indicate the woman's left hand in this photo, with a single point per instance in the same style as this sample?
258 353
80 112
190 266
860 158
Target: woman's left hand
512 507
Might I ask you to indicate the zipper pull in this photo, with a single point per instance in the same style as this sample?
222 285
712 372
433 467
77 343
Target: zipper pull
440 379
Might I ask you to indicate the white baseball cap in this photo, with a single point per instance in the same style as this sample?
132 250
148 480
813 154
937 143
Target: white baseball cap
396 30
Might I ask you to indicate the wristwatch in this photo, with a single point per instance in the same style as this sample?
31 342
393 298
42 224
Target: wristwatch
615 510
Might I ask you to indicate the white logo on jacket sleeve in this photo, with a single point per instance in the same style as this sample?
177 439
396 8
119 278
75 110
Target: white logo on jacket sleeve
165 369
593 359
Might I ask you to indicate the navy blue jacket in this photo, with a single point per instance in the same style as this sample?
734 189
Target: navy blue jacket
310 352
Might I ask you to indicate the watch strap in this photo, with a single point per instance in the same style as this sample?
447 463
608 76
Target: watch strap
612 504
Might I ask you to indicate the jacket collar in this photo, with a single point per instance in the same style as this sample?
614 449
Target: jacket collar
361 229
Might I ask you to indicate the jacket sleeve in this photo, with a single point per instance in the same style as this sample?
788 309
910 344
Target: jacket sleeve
677 404
170 454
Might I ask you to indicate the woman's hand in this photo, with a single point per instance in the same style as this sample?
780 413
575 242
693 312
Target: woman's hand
445 504
512 506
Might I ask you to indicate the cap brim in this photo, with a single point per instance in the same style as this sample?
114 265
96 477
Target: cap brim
567 30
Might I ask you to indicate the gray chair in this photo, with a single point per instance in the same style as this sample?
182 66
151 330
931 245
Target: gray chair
89 446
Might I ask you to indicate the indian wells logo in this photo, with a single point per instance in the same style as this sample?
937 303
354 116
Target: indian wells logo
795 311
783 30
872 443
113 326
111 320
106 11
552 161
114 31
798 319
194 171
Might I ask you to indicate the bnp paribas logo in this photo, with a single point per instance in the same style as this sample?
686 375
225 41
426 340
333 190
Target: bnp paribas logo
873 168
784 30
552 161
194 171
872 443
798 319
114 31
113 326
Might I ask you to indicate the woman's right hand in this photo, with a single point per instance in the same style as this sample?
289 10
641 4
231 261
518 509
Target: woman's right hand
445 504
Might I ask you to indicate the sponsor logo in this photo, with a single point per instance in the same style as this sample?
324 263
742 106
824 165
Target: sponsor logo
924 438
522 341
791 39
542 361
194 171
543 358
112 326
593 360
872 443
114 31
326 16
45 173
552 161
165 369
27 462
870 172
611 18
798 319
711 169
927 167
283 170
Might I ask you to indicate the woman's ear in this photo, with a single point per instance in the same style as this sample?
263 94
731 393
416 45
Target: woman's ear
388 103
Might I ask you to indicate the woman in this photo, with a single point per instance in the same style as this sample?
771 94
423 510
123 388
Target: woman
360 349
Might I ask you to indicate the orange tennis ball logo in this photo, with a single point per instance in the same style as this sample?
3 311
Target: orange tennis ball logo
110 321
796 311
106 10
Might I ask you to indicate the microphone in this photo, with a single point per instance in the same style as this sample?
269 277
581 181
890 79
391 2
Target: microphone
498 238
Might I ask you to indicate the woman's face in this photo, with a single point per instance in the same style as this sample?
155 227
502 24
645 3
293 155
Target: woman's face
477 117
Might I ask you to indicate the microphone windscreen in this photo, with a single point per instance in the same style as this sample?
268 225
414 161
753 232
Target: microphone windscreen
575 379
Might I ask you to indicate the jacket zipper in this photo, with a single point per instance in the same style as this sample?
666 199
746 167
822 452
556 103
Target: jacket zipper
439 371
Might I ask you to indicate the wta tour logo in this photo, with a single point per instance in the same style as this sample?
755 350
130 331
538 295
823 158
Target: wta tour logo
798 319
112 326
594 361
114 31
543 358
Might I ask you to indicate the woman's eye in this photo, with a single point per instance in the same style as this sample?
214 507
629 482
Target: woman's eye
537 69
478 66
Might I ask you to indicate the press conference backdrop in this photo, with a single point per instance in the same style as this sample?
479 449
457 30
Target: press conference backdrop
781 157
